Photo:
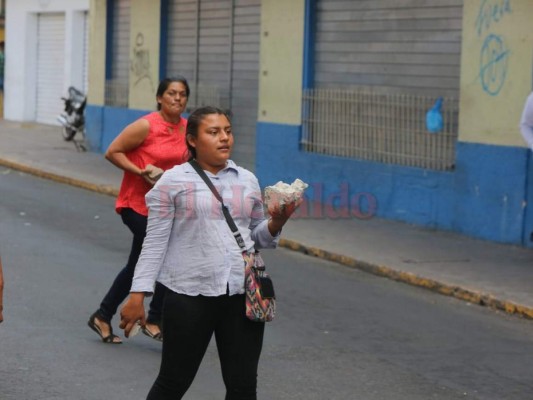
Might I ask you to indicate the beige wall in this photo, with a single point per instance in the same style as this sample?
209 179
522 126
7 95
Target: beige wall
144 55
97 46
281 61
496 70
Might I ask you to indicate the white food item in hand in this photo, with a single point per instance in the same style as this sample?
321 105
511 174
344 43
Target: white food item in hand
282 193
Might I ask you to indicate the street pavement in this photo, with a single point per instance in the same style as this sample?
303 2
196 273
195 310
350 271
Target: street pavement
486 273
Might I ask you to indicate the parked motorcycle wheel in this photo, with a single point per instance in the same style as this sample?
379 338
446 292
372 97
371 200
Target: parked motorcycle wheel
68 133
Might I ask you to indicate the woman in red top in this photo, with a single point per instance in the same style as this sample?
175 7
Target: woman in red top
157 139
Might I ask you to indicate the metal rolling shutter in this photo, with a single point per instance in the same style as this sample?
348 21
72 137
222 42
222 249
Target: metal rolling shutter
410 45
245 79
50 67
117 85
200 48
214 49
181 51
215 45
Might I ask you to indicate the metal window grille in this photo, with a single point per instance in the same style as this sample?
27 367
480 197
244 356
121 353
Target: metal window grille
387 128
116 93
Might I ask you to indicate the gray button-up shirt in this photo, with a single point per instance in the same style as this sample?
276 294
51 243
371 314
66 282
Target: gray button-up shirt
189 246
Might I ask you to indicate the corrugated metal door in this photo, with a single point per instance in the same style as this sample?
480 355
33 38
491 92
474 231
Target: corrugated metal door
215 45
182 32
50 66
117 85
412 46
245 79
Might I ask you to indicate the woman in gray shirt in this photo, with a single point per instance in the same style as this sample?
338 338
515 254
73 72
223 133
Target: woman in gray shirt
190 249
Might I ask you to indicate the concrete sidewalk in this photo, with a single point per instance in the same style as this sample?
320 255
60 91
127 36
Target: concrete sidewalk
481 272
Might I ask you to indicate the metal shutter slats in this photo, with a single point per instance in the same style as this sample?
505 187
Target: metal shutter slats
50 67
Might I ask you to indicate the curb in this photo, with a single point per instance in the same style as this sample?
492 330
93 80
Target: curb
103 189
482 299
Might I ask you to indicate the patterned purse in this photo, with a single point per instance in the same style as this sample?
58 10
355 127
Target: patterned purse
258 287
260 296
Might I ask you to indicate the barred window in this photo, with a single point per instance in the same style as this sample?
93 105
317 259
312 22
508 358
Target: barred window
388 128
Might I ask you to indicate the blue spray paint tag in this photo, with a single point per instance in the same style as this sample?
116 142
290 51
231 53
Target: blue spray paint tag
434 122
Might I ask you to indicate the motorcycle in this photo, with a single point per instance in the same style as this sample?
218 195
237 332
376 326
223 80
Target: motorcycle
73 119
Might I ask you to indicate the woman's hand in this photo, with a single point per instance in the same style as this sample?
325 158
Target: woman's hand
132 312
145 174
280 214
151 174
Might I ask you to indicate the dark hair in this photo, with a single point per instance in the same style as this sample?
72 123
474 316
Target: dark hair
165 83
194 120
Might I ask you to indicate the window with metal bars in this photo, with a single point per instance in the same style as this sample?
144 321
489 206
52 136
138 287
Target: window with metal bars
388 128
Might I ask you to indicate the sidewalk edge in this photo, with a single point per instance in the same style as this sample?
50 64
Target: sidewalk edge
103 189
483 299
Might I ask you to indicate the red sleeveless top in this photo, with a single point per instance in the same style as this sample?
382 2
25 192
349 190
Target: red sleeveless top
164 147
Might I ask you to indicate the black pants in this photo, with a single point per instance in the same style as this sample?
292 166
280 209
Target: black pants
121 286
188 325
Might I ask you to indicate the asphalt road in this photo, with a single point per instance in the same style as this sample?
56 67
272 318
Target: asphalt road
340 334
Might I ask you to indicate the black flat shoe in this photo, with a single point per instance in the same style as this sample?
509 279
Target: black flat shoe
108 339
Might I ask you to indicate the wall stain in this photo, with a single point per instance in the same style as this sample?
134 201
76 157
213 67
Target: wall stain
140 62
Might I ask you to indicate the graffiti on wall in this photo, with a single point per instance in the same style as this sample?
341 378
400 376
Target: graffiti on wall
494 53
140 62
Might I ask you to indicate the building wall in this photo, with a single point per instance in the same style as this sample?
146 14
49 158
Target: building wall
484 195
144 71
104 122
21 66
97 51
281 69
213 44
496 70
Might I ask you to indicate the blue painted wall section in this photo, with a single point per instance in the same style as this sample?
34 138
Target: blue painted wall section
163 39
93 127
483 197
109 39
309 45
490 191
105 123
527 235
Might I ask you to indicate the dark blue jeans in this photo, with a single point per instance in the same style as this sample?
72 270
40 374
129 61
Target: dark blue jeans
121 286
188 325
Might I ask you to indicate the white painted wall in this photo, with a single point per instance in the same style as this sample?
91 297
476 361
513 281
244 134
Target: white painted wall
21 52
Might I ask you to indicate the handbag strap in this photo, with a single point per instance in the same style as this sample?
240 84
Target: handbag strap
225 211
